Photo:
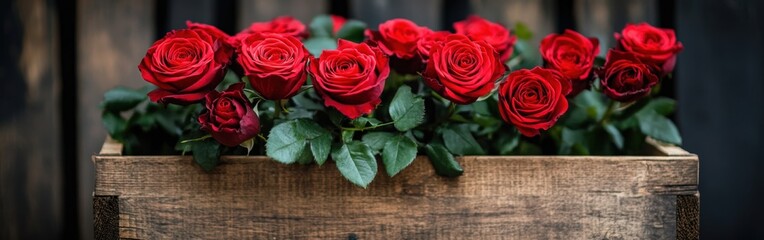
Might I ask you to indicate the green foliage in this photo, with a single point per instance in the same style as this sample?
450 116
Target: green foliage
352 31
356 162
398 153
298 140
406 109
442 160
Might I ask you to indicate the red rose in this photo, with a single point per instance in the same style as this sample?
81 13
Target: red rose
573 55
229 117
184 65
425 44
495 34
398 37
282 25
337 23
462 70
274 64
350 78
626 78
533 100
213 31
652 45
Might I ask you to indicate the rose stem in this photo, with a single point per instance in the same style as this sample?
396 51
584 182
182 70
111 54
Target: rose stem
608 112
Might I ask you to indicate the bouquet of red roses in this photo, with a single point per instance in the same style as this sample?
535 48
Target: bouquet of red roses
338 90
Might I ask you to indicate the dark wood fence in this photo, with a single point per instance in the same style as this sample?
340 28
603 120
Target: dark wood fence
60 56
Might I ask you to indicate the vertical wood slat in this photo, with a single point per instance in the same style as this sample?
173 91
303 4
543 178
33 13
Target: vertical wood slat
31 189
264 10
112 38
602 18
422 12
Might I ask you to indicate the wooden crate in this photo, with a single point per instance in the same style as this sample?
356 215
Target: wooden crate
498 197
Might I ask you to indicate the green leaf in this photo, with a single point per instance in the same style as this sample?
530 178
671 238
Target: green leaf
506 143
522 31
459 140
573 142
356 162
658 127
592 102
288 141
320 147
321 26
347 136
303 101
114 123
317 45
123 99
230 78
377 140
398 153
615 135
363 121
406 110
206 153
249 144
352 30
661 105
442 160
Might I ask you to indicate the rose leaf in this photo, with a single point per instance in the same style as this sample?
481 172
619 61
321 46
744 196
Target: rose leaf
442 160
377 140
356 162
406 110
398 153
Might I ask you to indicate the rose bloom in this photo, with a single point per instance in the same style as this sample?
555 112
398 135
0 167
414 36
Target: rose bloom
337 23
398 37
425 44
229 116
573 55
652 45
533 100
625 77
351 78
495 34
274 64
184 65
285 25
462 70
213 31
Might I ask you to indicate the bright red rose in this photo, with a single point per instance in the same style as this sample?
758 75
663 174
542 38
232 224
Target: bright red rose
285 25
495 34
652 45
274 64
213 31
229 117
398 37
351 78
337 23
185 65
425 44
626 77
533 100
573 55
462 70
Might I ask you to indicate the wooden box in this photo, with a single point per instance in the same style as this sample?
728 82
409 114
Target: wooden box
498 197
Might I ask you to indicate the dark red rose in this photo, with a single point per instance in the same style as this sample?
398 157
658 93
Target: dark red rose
652 45
573 55
626 77
533 100
285 25
274 64
213 31
462 70
424 44
185 65
495 34
351 78
337 23
229 117
398 37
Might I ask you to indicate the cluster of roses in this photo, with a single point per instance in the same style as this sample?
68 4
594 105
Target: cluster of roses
187 65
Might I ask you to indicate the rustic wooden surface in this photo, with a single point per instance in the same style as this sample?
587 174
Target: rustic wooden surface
536 197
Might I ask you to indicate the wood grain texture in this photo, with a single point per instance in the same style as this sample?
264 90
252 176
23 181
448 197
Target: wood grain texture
688 216
529 197
106 218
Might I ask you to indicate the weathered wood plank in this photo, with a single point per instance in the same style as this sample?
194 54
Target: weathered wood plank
106 217
631 197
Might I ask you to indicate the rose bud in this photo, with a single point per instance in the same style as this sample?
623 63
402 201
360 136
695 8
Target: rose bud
573 55
285 25
477 28
425 44
462 70
533 100
652 45
229 116
351 78
185 65
626 78
398 38
337 23
274 64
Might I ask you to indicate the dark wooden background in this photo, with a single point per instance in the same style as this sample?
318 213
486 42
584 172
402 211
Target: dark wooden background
60 56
